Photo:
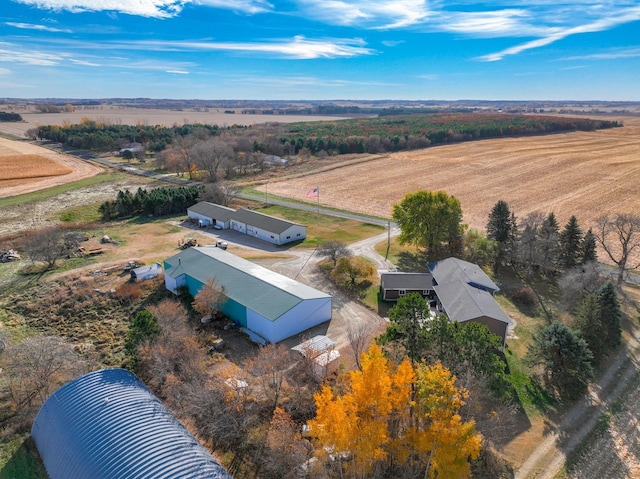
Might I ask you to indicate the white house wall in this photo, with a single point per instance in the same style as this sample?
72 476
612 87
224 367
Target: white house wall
238 226
198 217
293 233
303 316
172 284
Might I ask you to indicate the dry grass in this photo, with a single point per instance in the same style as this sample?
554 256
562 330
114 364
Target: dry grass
584 173
21 167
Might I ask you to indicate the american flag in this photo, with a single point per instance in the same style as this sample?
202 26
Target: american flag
314 193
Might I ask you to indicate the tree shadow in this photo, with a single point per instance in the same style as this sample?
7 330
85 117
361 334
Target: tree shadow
412 262
25 463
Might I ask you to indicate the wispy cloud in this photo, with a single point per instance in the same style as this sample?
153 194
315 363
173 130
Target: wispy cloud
244 6
614 54
178 72
84 63
148 8
5 71
378 14
12 54
610 18
144 8
299 47
30 26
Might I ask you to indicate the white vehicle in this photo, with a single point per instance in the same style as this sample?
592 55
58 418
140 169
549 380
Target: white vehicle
222 244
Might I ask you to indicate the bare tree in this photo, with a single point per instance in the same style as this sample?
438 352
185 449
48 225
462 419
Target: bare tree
269 366
34 368
530 227
578 282
219 193
210 156
47 245
333 249
619 236
358 334
210 298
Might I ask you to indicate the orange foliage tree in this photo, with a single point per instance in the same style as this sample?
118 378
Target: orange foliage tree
395 422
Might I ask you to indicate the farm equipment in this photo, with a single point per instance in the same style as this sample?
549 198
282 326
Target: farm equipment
9 255
189 243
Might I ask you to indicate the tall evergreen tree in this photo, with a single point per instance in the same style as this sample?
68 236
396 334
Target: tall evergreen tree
565 358
549 234
611 314
571 251
501 228
591 327
589 252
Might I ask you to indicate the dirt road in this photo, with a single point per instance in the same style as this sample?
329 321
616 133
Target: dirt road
549 457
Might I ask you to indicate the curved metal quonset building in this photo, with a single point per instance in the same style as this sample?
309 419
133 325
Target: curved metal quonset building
108 425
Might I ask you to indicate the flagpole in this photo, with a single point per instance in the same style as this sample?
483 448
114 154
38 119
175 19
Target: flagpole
318 216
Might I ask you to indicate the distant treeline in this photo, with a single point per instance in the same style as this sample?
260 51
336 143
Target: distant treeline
6 116
392 132
157 202
91 135
402 132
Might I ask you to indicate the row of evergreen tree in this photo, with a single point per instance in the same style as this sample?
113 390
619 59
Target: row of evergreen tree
537 243
157 202
10 116
92 135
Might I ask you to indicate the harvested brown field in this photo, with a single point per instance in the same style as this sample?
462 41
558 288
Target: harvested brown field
587 174
25 167
20 167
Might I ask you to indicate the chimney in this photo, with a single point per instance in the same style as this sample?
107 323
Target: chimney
179 261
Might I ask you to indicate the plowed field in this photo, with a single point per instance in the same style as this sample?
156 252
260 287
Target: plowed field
25 167
588 174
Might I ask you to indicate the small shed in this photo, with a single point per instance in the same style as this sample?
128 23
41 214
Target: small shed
146 272
320 350
107 424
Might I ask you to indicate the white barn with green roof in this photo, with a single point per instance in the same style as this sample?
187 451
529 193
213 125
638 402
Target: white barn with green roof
267 303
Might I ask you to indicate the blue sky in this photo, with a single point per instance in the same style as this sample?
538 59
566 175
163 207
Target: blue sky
321 49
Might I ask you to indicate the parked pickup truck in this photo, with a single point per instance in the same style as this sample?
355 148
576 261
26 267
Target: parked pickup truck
222 244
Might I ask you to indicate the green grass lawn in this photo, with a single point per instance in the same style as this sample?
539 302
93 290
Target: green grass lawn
19 459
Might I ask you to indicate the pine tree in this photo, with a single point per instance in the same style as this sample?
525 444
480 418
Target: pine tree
589 252
591 327
610 314
549 234
501 228
565 357
571 251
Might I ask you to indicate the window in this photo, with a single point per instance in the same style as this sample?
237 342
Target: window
402 292
425 292
288 237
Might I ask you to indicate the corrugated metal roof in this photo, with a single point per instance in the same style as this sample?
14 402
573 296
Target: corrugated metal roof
266 292
108 425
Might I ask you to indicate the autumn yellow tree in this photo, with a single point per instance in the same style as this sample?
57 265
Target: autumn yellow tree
395 422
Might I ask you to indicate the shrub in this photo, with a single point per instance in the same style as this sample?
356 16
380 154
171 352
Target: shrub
524 296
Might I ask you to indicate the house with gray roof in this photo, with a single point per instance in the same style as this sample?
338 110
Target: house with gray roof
454 270
463 292
253 223
396 284
268 304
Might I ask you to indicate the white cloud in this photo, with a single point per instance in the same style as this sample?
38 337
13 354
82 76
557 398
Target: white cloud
298 48
5 71
9 53
148 8
609 19
378 14
30 26
178 72
144 8
245 6
84 63
392 43
615 54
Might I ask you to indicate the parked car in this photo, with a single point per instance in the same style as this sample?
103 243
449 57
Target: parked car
222 244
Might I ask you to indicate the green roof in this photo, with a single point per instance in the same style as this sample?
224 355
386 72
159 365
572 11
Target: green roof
266 292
